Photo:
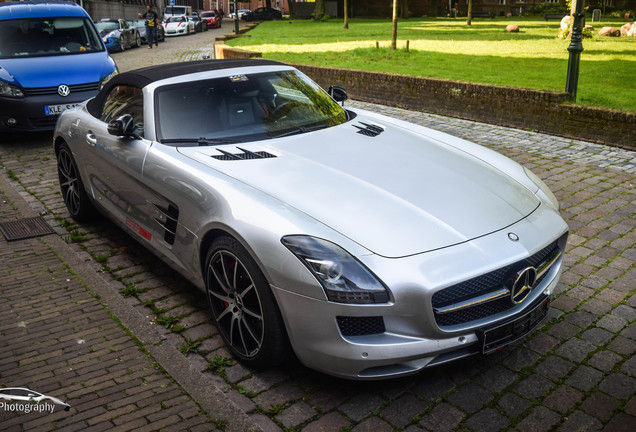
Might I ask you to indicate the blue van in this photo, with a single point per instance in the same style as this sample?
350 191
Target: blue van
51 59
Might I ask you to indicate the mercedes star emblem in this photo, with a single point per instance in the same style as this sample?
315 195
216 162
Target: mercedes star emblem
522 287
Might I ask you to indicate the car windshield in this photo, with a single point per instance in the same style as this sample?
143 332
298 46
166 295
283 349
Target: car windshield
137 23
207 14
176 19
243 108
34 37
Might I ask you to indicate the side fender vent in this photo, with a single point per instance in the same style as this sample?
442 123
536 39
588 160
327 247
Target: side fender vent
369 130
167 218
244 155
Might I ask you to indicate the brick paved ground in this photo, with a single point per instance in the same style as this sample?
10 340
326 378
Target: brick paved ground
57 339
577 372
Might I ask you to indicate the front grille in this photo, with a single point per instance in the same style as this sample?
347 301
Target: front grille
360 326
44 91
44 122
482 285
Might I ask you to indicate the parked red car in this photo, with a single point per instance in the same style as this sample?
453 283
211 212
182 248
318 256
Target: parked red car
212 17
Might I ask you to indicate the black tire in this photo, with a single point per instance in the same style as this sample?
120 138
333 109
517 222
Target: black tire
243 305
137 40
122 43
77 201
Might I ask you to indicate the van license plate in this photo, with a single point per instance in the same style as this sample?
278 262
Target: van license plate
58 109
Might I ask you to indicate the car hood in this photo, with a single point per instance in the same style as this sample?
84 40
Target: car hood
55 70
399 193
106 32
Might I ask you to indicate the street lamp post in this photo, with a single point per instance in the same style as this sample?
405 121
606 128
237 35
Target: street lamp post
236 18
575 49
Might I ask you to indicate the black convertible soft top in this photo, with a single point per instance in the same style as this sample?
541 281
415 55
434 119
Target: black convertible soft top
142 77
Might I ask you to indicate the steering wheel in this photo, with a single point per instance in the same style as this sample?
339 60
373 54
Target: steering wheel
284 108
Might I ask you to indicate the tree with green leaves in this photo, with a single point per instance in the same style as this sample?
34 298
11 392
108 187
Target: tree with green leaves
469 14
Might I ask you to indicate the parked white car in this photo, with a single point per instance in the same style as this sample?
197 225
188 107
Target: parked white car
178 25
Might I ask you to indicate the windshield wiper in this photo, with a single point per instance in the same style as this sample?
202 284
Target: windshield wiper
200 141
301 129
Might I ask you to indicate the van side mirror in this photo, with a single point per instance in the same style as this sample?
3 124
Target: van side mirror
338 93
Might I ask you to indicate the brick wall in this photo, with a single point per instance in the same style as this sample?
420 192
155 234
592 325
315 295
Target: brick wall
537 110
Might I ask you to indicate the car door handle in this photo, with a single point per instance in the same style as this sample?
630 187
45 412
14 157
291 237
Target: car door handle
91 139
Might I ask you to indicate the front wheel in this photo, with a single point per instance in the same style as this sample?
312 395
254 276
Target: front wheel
137 40
75 198
243 305
122 43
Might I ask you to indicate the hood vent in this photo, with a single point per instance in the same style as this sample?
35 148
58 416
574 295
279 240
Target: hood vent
369 129
245 155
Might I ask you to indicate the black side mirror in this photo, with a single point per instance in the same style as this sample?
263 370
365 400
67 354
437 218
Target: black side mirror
121 126
338 93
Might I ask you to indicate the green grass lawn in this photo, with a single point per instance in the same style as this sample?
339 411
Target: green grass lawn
447 48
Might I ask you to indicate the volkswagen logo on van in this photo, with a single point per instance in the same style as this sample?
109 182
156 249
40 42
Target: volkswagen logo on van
63 90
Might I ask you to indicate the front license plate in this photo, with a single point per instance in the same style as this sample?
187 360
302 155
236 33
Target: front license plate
58 109
504 334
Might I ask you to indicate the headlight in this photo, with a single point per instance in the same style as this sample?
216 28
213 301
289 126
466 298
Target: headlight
344 279
544 191
107 78
8 90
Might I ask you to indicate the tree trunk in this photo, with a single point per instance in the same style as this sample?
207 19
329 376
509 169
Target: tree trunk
469 14
394 35
320 9
404 9
346 15
291 9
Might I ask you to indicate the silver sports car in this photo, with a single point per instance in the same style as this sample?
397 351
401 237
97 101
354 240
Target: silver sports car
369 246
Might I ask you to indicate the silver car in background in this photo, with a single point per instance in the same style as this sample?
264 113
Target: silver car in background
369 246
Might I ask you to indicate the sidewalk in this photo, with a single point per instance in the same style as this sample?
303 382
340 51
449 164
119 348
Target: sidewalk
66 333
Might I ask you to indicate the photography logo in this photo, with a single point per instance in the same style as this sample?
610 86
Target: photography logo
23 400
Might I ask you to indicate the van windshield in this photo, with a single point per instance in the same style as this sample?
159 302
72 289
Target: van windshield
174 10
36 37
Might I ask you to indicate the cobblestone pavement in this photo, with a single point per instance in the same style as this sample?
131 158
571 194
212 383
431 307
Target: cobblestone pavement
576 373
56 338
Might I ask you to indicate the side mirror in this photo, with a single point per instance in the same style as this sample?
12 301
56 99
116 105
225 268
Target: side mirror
337 93
121 126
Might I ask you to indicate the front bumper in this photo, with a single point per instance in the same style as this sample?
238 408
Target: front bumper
176 32
319 343
411 332
112 44
29 113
